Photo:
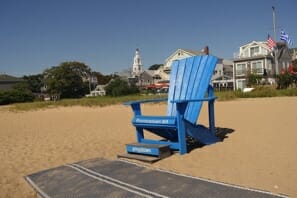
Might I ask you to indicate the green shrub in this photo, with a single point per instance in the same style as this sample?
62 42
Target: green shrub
284 80
15 96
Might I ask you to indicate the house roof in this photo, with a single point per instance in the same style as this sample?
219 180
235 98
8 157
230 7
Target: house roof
189 52
259 43
193 52
149 72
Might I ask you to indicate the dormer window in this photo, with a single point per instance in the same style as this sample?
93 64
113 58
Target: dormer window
254 51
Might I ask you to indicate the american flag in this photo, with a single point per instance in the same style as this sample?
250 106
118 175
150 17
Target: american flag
270 42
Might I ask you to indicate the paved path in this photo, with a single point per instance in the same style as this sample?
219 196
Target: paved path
119 178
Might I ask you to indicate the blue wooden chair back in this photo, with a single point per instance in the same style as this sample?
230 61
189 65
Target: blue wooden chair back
189 79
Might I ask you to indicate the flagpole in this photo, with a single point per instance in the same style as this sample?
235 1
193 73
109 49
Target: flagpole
274 22
274 31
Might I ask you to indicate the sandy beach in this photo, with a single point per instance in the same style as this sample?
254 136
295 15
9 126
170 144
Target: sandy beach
260 153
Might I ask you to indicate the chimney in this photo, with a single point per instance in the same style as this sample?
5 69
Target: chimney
206 50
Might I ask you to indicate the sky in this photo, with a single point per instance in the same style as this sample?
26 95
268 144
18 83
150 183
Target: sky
38 34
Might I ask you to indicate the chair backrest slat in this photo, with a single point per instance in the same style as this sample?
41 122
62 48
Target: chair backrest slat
189 79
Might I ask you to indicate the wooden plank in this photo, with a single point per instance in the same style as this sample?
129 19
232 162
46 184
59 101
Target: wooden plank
155 150
187 78
143 158
171 107
202 80
179 79
159 146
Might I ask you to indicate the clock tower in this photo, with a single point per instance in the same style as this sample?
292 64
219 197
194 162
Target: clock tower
137 65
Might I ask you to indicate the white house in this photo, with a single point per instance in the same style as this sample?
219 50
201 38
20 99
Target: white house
253 57
256 57
180 54
222 78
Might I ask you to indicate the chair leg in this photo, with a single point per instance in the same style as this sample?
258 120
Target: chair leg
139 134
211 116
181 128
182 141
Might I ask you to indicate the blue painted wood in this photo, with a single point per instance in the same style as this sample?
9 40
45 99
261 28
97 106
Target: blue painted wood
154 120
172 145
145 101
202 79
211 117
171 108
143 150
181 128
189 87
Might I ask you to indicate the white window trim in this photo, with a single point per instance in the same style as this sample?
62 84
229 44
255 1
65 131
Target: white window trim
236 66
262 66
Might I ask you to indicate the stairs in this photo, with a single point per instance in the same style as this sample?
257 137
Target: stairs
146 152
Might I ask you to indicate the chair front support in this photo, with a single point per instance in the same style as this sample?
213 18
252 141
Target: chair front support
211 113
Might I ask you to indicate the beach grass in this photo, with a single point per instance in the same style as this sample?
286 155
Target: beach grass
101 101
87 102
258 92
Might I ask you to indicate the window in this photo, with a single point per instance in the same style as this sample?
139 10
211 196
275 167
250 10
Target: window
257 67
254 51
240 69
241 84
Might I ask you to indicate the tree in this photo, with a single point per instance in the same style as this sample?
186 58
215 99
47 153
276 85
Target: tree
284 80
293 71
253 79
19 93
35 82
102 79
155 66
288 77
69 79
118 87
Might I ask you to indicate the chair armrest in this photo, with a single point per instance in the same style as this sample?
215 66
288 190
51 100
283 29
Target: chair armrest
135 105
145 101
194 100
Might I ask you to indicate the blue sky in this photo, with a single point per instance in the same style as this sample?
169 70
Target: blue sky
38 34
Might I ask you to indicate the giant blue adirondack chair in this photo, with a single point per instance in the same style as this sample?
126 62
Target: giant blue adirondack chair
189 87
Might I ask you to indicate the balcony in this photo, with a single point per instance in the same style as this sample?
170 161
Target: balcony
243 56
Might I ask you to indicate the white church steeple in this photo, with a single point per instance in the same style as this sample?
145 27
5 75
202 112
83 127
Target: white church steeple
137 65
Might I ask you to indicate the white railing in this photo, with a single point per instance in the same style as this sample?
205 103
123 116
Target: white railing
238 55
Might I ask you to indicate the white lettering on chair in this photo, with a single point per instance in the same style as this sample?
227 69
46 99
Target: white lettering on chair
141 150
163 121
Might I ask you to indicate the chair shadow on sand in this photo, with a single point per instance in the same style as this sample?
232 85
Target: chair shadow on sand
220 132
